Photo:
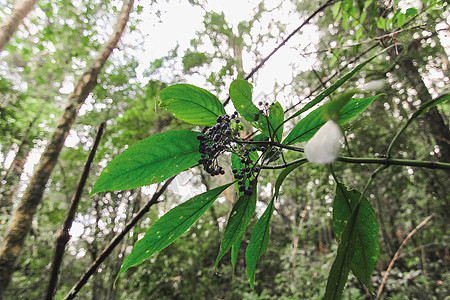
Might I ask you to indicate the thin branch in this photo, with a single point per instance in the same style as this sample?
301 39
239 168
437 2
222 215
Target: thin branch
63 235
333 75
396 256
259 66
375 160
115 241
371 40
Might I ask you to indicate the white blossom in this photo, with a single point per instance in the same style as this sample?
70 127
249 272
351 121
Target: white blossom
323 147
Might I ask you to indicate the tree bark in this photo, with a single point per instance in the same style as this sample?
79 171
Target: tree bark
9 26
436 125
21 222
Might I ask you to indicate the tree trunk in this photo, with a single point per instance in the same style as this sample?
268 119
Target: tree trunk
21 222
434 121
9 26
436 125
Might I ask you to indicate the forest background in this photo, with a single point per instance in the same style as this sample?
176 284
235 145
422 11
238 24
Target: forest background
57 61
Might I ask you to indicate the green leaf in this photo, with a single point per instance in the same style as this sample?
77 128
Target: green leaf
367 4
345 21
191 104
276 118
241 96
240 216
260 234
331 89
401 20
333 108
171 226
341 265
149 161
367 247
333 60
336 9
258 242
362 18
411 12
381 23
308 126
234 253
359 33
429 104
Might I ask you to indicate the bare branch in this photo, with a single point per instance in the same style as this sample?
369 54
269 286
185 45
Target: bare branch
397 254
115 241
63 235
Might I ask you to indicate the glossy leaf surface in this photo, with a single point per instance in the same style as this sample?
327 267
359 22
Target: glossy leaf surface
191 104
240 216
171 226
367 247
341 265
308 126
149 161
258 242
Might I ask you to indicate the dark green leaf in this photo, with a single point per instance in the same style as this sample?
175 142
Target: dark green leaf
411 11
234 253
240 216
258 242
331 89
276 118
191 104
150 161
241 96
171 226
341 265
308 126
260 234
367 247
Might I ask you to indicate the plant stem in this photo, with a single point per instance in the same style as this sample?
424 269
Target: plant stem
391 145
375 160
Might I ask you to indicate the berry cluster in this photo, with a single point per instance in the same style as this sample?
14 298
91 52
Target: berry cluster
220 138
246 174
217 139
